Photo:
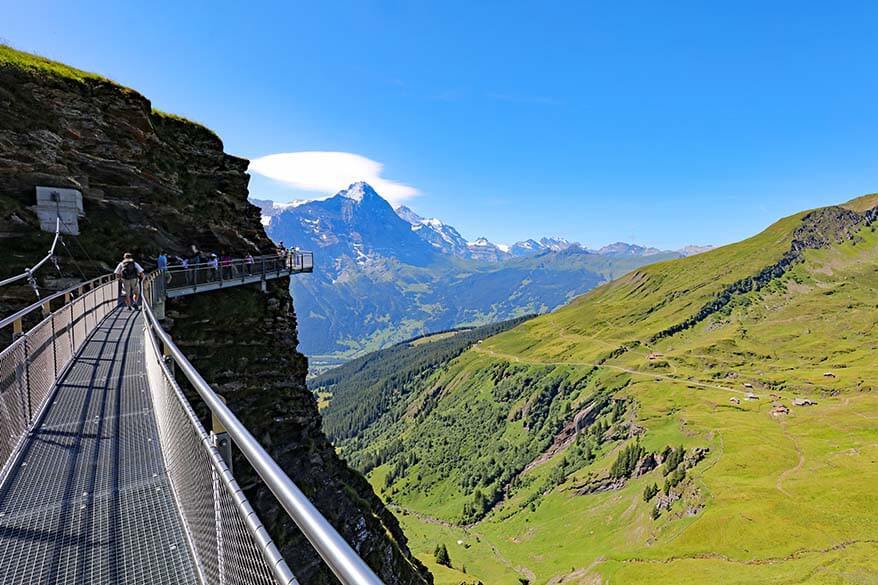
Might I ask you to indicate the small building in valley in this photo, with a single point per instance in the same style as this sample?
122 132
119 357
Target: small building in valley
828 375
803 402
779 410
751 396
735 400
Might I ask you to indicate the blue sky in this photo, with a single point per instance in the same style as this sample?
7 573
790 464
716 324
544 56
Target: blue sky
664 123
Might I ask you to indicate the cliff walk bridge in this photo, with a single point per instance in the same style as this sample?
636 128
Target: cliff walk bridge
108 476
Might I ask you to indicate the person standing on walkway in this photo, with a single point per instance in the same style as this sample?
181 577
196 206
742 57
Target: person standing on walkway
162 265
196 266
129 273
184 264
214 267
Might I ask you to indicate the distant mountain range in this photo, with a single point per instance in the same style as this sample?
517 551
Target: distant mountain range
384 274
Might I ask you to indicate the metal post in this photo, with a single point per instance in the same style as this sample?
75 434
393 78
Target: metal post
27 400
67 298
169 359
218 526
157 296
54 348
72 329
221 436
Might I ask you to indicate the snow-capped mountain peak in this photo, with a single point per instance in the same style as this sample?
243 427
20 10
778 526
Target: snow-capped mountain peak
358 191
435 231
407 214
625 249
271 208
555 244
354 213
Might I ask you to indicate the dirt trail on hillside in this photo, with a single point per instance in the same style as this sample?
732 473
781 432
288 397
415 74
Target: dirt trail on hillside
797 467
516 359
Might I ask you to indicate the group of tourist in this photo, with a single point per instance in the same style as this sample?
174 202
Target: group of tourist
214 265
130 273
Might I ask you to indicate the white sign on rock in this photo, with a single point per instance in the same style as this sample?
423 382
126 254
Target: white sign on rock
58 202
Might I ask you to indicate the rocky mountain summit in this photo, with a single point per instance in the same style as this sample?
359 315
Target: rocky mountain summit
437 233
446 239
153 181
387 275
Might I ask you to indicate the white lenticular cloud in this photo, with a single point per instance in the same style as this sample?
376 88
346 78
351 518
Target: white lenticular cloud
329 172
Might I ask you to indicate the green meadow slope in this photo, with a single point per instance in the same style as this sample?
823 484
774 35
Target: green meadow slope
613 440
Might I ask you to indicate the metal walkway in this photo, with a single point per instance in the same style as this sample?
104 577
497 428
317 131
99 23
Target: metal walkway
88 500
107 475
181 281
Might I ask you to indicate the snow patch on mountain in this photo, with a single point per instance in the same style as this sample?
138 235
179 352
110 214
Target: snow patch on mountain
357 192
694 249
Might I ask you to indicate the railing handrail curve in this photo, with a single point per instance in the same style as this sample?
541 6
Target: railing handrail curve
338 555
29 271
6 321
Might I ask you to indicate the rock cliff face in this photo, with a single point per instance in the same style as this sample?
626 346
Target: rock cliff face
152 181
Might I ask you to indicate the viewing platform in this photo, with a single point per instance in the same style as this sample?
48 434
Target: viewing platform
207 276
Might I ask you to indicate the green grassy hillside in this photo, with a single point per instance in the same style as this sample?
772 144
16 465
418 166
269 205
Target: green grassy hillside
614 441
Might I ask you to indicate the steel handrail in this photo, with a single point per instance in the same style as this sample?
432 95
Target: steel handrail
288 261
329 544
269 550
28 272
6 321
178 267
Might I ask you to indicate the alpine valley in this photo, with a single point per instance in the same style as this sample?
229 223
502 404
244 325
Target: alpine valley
388 275
709 419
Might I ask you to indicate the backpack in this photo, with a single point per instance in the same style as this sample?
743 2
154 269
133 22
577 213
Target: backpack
129 271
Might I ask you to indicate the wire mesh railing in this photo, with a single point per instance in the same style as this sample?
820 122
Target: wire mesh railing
220 272
228 542
197 475
32 362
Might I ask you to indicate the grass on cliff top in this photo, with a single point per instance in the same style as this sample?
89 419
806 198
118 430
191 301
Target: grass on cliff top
183 120
36 64
862 203
41 65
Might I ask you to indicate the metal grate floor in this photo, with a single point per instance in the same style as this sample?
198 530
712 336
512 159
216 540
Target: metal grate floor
88 500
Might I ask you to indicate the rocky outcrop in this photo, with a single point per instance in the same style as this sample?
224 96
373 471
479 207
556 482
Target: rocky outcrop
152 181
819 229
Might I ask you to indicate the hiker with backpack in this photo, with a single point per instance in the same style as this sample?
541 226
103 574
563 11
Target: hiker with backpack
129 273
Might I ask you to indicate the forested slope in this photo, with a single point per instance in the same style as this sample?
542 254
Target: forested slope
361 391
